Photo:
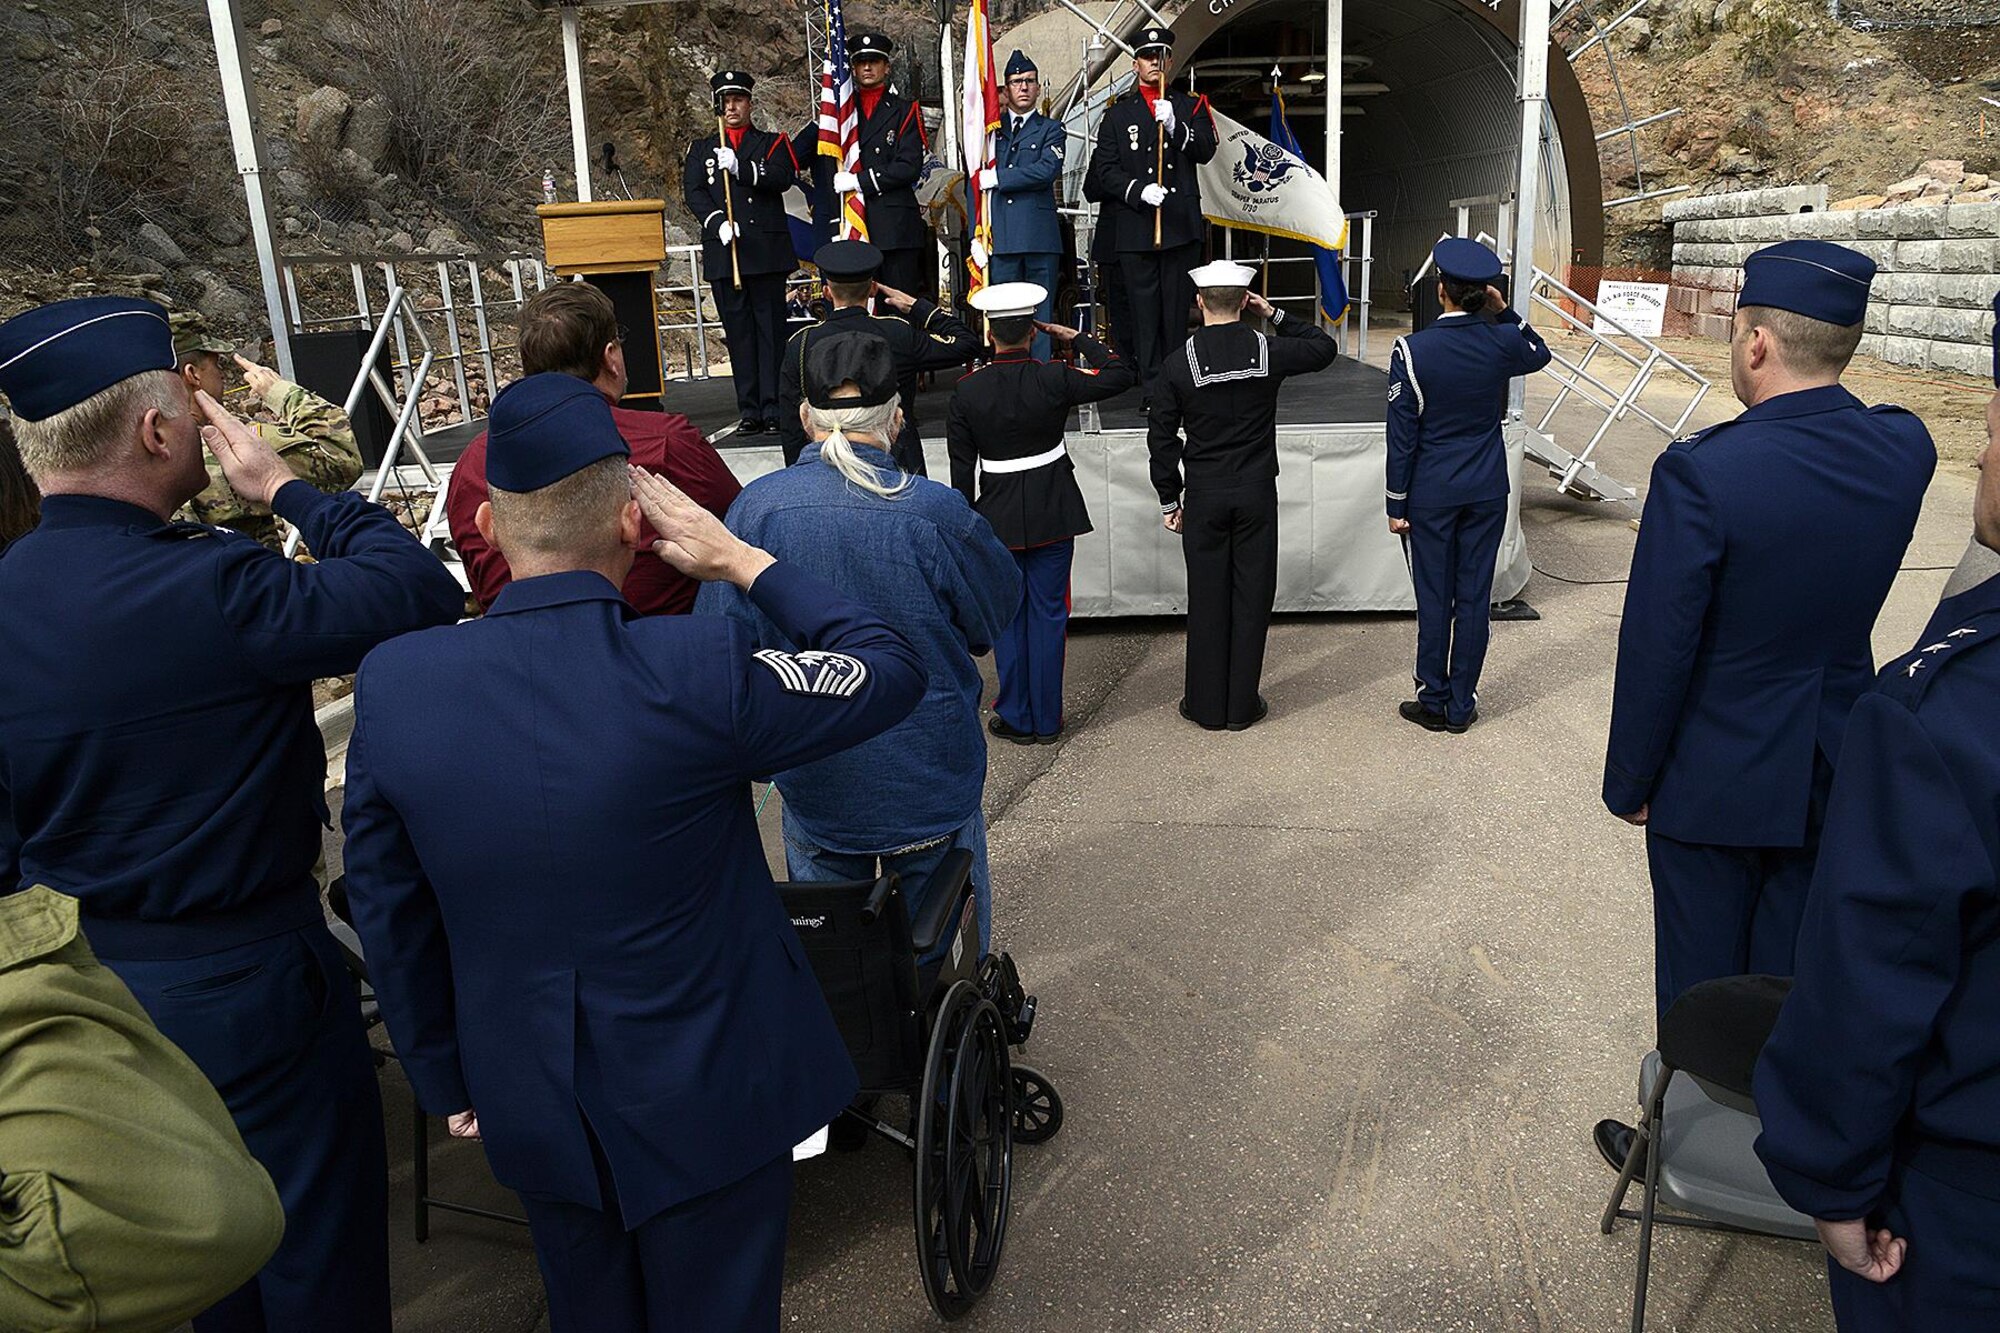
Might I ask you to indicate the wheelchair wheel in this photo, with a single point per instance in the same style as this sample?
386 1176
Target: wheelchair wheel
956 1254
1038 1107
979 1154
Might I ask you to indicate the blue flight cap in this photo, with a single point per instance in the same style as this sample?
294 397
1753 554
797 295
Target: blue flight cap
543 428
1020 64
55 356
1817 279
1464 260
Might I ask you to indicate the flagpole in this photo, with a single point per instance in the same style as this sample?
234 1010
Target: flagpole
729 207
1160 162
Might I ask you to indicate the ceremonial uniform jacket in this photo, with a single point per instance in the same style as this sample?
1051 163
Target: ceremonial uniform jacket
158 756
312 436
892 162
928 338
766 168
1028 162
1447 398
1125 160
1767 546
1222 386
583 925
1888 1047
1008 417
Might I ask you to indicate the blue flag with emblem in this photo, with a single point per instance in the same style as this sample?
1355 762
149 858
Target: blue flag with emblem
1332 279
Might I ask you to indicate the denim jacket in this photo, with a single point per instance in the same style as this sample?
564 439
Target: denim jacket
931 567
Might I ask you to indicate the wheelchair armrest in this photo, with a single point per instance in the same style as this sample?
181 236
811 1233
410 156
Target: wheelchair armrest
1716 1029
942 897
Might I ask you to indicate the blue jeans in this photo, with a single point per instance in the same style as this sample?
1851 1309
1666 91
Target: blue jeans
807 861
1040 269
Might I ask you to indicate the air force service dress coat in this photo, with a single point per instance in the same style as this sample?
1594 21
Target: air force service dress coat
766 168
1447 398
1027 162
617 952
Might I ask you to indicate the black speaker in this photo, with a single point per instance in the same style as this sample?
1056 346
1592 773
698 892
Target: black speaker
632 298
327 363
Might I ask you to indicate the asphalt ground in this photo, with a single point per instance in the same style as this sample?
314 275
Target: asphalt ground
1332 1003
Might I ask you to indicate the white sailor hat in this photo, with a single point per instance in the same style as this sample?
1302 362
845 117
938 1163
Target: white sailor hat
1005 299
1222 273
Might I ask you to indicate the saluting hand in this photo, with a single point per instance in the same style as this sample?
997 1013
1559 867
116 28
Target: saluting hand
692 540
1062 333
259 378
896 300
1259 307
250 466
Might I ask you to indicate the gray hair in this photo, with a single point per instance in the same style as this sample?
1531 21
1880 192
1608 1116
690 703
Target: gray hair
837 451
83 435
575 515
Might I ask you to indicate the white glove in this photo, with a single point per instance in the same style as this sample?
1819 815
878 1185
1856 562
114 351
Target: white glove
989 178
1163 111
727 232
1154 195
979 255
725 157
846 182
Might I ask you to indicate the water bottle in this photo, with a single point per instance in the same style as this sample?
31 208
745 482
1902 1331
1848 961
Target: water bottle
548 185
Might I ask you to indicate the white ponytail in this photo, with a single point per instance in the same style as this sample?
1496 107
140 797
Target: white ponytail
837 450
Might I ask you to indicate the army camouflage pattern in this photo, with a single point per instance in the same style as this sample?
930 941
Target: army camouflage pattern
316 442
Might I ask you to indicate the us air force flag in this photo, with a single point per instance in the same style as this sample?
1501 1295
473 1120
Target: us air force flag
1258 185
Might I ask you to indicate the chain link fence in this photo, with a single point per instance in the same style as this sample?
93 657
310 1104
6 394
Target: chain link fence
1911 15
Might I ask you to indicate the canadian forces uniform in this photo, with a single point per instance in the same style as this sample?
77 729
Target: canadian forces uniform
162 767
762 167
1027 234
1006 427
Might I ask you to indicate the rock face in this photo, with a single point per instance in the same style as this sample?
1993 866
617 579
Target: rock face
322 118
367 132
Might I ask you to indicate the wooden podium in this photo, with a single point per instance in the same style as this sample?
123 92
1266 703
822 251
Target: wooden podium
617 245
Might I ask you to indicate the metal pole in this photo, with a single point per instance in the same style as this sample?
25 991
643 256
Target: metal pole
239 98
579 134
1534 80
1336 81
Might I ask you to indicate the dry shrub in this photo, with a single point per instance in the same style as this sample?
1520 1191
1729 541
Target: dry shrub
121 123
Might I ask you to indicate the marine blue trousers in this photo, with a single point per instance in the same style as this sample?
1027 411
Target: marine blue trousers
1452 551
1028 655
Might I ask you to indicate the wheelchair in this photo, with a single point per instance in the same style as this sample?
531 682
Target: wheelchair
941 1035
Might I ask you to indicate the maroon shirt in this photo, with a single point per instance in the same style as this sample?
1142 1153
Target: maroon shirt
662 442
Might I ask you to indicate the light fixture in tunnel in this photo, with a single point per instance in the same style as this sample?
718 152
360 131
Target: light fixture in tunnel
1313 76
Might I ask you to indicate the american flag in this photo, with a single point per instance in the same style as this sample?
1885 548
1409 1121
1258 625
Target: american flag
840 124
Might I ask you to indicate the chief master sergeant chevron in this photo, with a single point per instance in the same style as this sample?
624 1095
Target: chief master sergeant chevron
159 762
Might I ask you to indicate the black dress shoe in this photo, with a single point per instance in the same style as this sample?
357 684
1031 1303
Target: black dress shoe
1263 711
1460 728
1205 726
1007 731
750 426
1412 711
771 425
1614 1143
1048 737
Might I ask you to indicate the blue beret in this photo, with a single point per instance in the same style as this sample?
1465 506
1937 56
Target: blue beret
1020 64
544 427
1465 260
55 356
1817 279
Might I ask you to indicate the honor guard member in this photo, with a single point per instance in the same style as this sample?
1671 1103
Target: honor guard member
736 191
1879 1090
1745 638
1007 420
1219 491
922 336
892 162
312 435
641 1050
1143 173
1027 162
161 765
1447 472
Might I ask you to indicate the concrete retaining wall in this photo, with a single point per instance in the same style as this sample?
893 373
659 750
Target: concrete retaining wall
1932 302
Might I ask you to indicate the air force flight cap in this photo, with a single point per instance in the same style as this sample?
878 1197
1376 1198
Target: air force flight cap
863 358
1019 64
1465 260
543 428
847 261
55 356
1005 300
1816 279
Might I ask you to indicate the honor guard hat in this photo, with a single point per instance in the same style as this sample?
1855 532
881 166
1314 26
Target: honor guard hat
1151 39
1816 279
1007 299
862 358
55 356
870 44
542 428
1464 260
847 261
1020 64
731 81
1223 273
192 336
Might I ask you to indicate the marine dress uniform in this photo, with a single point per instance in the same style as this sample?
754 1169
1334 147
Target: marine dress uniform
1007 421
1879 1090
579 940
1447 475
928 338
760 167
159 763
1128 178
1027 236
1745 638
1222 387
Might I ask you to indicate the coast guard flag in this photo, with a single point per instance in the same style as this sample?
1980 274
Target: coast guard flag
1258 185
